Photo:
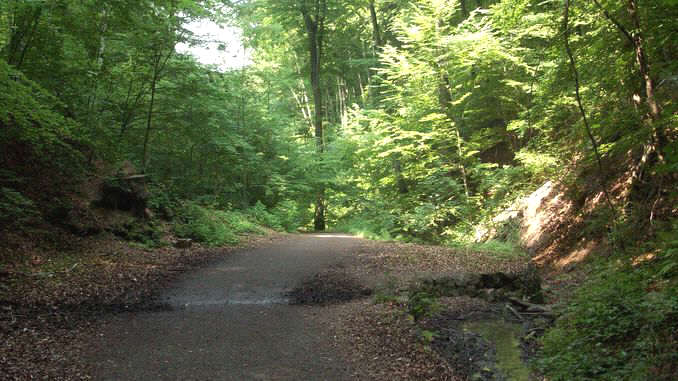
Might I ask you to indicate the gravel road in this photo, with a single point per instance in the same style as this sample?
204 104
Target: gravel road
231 321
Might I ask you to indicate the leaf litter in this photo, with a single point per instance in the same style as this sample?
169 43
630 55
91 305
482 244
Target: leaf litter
51 302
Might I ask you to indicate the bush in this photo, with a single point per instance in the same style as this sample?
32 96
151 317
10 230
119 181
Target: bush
621 325
239 222
160 200
259 213
422 304
15 208
289 215
210 226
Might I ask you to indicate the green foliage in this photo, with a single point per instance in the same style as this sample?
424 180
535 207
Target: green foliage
435 118
377 226
160 200
30 117
210 226
146 234
422 304
15 209
384 297
621 325
428 336
263 217
542 166
290 215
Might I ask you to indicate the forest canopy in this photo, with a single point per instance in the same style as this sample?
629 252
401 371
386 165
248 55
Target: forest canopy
417 120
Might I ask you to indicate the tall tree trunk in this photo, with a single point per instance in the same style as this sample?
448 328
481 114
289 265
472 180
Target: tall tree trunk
149 119
642 61
654 150
159 65
637 41
445 98
315 29
376 32
93 109
302 103
589 132
464 9
22 38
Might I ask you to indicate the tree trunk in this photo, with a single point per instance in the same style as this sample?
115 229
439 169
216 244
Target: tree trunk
21 39
158 67
654 150
376 33
464 9
589 132
149 119
315 29
642 61
444 98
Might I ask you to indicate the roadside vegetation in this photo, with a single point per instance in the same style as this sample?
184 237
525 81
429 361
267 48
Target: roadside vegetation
516 130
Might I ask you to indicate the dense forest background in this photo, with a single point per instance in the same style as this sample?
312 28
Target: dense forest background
415 120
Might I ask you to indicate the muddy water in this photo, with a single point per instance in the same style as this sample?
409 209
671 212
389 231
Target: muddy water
504 337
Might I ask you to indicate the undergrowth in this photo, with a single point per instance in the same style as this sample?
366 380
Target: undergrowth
211 226
622 323
287 215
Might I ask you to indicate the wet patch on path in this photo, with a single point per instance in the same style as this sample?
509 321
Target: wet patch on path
328 287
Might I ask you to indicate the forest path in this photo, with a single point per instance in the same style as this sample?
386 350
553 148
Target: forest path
231 321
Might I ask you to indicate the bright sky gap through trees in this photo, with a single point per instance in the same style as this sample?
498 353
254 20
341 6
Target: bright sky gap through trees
413 120
221 45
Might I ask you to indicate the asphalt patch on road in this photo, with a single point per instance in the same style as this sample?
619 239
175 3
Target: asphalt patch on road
330 287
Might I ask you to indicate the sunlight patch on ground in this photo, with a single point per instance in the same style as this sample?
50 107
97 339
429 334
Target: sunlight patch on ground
577 255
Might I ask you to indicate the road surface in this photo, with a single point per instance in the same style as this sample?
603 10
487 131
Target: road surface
231 321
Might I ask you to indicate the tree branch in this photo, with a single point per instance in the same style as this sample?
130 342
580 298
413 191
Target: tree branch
616 23
575 73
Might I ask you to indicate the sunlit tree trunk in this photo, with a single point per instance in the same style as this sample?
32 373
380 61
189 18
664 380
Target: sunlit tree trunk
654 150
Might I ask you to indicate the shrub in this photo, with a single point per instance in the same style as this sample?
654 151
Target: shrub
621 325
289 215
239 222
210 226
422 304
160 200
15 208
263 217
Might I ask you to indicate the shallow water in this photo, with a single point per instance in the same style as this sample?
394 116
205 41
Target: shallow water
505 338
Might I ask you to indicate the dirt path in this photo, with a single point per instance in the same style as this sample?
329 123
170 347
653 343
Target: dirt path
231 321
